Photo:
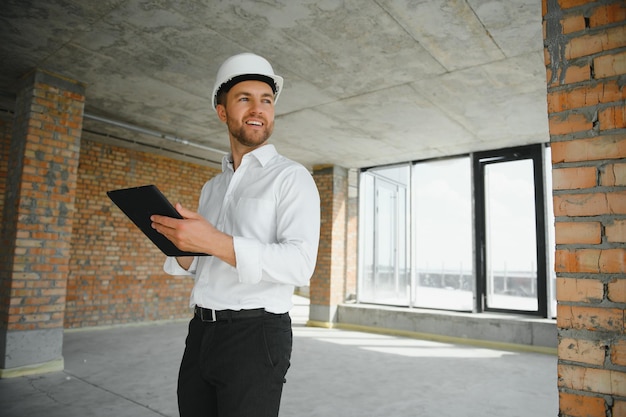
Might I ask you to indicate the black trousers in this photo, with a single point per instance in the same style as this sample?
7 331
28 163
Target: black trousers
235 368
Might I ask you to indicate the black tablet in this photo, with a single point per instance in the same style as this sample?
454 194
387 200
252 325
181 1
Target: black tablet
139 203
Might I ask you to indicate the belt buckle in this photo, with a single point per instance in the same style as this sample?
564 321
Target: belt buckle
213 316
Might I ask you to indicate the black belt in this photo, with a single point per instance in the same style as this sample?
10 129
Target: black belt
208 315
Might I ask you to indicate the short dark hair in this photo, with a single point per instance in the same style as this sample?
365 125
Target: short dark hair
225 88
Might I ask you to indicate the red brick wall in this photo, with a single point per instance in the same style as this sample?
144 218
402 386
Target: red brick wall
328 284
352 244
116 273
586 69
320 281
37 221
5 140
339 238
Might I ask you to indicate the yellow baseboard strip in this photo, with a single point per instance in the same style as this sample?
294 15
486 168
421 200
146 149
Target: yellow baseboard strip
436 337
39 368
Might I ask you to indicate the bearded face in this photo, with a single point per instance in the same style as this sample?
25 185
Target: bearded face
251 132
248 112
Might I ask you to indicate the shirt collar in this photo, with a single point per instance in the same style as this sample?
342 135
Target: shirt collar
263 154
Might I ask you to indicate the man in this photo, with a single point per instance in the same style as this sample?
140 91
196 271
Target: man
259 220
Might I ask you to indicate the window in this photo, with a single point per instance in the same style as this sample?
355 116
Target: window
470 233
510 231
384 267
442 207
511 238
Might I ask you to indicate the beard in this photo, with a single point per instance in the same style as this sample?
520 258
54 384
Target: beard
250 138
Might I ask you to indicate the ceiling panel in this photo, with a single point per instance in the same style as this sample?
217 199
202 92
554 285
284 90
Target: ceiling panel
367 82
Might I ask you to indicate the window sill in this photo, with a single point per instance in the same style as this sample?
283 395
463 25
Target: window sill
493 330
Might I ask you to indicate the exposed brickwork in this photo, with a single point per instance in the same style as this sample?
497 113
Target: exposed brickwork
581 405
338 269
352 243
586 73
320 281
581 290
5 282
39 201
116 272
5 140
574 178
328 284
580 232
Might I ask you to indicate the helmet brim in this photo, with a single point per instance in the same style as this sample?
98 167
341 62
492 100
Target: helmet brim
274 81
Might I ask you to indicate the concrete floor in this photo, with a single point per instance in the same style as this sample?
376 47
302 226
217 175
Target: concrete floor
130 371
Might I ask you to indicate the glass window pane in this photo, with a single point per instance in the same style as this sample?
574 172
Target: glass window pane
366 236
443 235
511 241
386 243
385 273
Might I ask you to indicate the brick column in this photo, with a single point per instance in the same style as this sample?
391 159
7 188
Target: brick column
37 222
352 243
329 280
5 140
586 68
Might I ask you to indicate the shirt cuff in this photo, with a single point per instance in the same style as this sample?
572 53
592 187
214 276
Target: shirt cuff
172 267
248 256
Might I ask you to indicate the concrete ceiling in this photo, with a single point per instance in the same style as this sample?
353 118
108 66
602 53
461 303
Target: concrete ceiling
367 82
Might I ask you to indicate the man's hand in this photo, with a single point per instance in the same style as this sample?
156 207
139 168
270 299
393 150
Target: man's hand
193 233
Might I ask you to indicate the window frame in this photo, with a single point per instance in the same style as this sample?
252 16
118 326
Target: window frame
479 161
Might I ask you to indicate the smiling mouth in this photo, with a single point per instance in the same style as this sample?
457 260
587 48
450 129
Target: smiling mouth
254 123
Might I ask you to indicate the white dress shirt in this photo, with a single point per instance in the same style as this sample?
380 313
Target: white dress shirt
271 207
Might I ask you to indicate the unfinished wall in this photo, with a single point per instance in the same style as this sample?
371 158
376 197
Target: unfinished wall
5 140
36 227
586 69
116 273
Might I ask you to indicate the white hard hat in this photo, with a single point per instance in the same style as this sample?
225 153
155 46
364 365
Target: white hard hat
246 66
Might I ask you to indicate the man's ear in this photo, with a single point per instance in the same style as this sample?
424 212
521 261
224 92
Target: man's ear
221 112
